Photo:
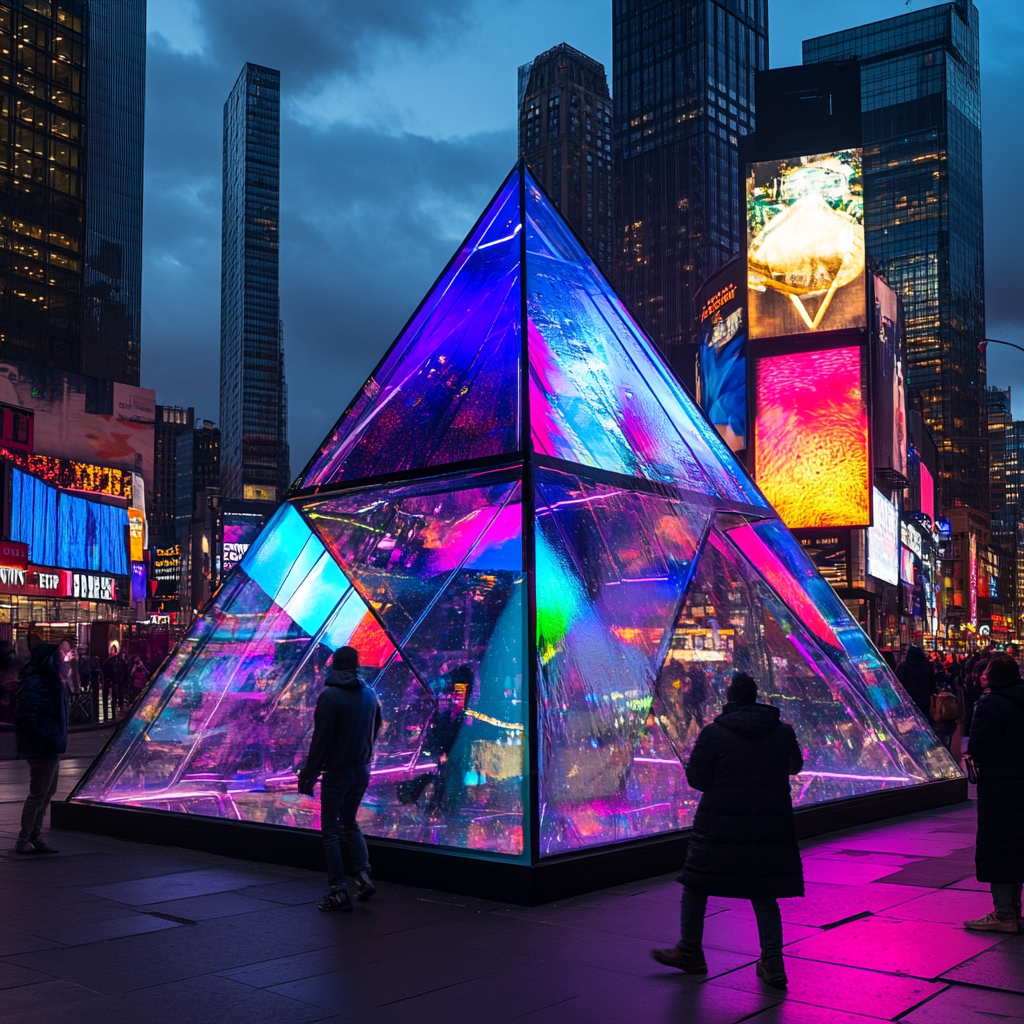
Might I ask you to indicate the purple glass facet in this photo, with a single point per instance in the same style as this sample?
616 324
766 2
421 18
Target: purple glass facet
449 388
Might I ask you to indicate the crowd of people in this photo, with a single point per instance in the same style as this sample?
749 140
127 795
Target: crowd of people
98 689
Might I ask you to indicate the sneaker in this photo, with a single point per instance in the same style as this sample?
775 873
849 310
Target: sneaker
991 923
33 846
364 885
771 971
681 960
337 899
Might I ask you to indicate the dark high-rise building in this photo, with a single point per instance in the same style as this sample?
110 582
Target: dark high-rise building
683 86
115 131
171 421
921 130
197 495
254 448
72 94
565 133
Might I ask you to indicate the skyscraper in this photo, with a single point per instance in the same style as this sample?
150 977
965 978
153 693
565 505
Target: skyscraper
683 86
115 132
565 122
72 93
921 124
171 420
254 447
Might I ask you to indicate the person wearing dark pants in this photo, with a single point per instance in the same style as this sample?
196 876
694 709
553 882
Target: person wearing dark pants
744 842
997 750
41 732
345 727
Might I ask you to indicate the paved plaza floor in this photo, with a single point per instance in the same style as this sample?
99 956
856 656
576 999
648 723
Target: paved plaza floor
113 932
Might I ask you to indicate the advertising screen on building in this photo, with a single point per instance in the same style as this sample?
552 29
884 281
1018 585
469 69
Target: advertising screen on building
805 244
166 562
84 418
890 402
722 337
240 530
927 492
811 437
67 531
136 534
884 540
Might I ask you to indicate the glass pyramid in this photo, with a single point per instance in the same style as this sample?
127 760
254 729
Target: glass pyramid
551 566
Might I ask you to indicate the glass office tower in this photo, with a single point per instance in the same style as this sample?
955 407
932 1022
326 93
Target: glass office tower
254 451
72 107
683 90
921 116
116 110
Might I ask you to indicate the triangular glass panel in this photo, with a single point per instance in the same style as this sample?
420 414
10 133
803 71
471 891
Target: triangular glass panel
448 389
599 394
222 729
400 545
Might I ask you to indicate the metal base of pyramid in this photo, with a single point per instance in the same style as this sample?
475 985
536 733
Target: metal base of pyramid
452 871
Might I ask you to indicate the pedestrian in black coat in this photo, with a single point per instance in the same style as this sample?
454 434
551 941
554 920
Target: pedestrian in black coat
744 841
41 732
345 727
997 749
917 674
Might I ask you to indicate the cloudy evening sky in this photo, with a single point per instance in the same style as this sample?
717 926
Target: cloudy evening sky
398 121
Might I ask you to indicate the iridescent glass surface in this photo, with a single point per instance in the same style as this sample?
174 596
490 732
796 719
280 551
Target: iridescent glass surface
624 530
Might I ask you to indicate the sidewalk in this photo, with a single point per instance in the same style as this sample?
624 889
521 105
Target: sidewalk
117 932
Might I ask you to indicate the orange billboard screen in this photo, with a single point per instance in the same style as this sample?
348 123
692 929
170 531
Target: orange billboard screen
811 437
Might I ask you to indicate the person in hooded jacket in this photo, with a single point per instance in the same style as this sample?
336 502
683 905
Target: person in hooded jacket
997 749
917 674
41 732
345 727
744 842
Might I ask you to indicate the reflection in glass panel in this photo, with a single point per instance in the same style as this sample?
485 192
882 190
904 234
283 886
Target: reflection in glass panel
400 545
612 566
448 389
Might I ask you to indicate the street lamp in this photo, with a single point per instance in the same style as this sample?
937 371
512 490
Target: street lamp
982 345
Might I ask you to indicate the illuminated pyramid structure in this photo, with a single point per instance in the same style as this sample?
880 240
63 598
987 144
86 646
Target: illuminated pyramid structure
551 566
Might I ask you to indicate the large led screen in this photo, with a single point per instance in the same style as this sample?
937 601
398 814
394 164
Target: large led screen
811 437
805 244
722 347
884 540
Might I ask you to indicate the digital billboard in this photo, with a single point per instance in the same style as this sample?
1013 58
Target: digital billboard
927 493
805 244
84 418
890 402
240 530
884 540
136 534
722 347
811 437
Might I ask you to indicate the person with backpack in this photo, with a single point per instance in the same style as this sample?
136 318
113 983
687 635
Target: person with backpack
946 714
345 727
744 841
997 752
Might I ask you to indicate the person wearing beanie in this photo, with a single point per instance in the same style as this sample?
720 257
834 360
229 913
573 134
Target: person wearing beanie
345 727
744 841
41 732
997 749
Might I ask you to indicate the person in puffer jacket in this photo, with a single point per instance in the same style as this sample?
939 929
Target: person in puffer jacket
744 841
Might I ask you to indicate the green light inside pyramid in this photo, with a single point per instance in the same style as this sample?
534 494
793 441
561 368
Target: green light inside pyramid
618 523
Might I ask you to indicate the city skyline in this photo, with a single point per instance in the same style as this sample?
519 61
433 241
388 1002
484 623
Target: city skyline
368 243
